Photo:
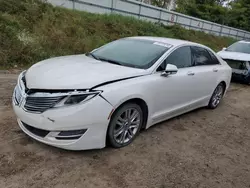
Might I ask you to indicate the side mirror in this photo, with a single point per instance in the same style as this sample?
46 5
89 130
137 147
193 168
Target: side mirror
170 69
223 49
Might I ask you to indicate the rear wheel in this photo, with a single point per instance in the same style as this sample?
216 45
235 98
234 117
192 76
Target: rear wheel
217 96
125 125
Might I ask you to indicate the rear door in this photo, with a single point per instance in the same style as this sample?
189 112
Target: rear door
207 70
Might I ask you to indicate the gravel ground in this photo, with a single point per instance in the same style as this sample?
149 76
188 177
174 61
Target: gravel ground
204 148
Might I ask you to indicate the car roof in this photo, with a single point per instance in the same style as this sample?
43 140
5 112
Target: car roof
174 42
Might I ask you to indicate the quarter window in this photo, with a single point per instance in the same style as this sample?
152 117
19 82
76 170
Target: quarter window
181 58
214 58
202 57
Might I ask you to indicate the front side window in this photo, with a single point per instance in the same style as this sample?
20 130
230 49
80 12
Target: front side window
201 56
181 58
132 52
242 47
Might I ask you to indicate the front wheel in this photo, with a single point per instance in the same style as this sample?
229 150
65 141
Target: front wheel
217 96
125 125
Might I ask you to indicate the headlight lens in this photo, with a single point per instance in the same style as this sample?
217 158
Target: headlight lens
77 98
19 80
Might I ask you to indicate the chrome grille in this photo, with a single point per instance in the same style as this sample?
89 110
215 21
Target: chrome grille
41 104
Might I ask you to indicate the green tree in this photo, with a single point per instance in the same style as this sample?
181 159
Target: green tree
237 14
160 3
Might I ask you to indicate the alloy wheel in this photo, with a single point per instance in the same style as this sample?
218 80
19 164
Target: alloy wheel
218 94
127 125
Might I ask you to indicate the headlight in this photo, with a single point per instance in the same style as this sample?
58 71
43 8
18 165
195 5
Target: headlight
77 98
19 80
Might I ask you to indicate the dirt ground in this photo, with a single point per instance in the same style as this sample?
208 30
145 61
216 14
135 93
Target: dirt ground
204 148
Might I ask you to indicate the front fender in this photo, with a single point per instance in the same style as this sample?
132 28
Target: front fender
120 92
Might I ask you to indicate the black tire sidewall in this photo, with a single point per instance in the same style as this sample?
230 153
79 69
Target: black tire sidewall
110 135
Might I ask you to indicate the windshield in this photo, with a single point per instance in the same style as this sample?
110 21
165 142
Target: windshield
131 52
242 47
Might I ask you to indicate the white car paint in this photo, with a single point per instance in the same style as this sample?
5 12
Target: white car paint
234 55
165 96
77 72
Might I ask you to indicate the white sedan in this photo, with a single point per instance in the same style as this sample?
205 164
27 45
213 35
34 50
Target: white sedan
108 95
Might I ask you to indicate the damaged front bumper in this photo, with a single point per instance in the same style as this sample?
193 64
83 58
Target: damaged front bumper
42 116
241 76
81 126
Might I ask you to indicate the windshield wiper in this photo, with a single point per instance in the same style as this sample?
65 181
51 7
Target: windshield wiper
110 61
91 54
103 59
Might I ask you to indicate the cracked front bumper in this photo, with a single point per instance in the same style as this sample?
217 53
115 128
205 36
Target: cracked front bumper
91 116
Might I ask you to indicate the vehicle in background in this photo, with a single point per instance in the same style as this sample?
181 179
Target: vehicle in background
108 95
237 57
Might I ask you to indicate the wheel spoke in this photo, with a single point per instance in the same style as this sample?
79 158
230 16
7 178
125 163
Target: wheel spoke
127 113
123 136
137 122
130 133
119 131
120 121
134 115
133 126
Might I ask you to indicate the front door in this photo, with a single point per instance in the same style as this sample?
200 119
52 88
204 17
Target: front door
174 93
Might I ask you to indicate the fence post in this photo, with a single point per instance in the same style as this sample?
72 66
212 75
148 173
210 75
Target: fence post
190 23
229 34
160 16
237 34
175 22
139 14
112 6
202 27
221 27
73 1
211 29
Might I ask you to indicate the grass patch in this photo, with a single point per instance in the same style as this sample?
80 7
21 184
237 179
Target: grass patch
31 31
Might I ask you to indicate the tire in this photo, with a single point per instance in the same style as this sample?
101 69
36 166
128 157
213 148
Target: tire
125 125
216 96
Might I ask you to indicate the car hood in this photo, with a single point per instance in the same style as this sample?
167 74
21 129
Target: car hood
76 72
234 55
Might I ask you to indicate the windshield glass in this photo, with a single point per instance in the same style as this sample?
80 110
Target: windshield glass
242 47
131 52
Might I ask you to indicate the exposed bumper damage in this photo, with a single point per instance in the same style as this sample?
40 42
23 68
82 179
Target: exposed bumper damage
44 116
240 70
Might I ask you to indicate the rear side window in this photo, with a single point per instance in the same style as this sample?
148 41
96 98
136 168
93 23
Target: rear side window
201 56
181 58
215 61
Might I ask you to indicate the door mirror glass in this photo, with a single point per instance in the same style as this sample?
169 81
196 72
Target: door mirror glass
170 69
223 49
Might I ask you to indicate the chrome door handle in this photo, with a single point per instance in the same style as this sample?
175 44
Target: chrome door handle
190 73
215 70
